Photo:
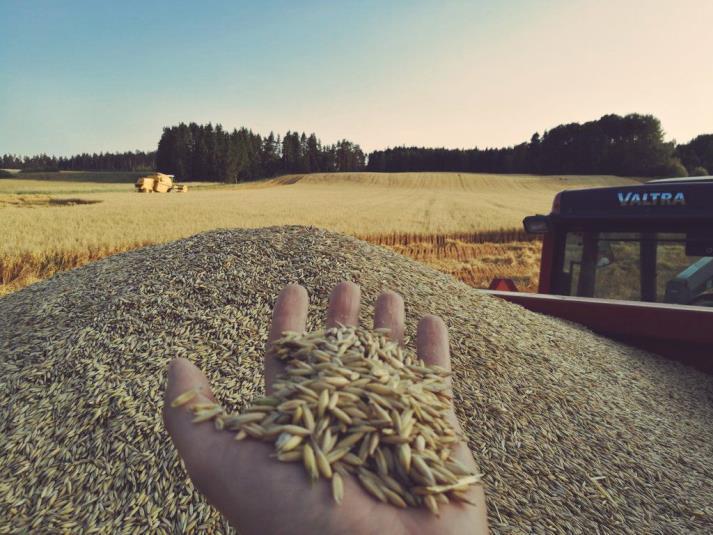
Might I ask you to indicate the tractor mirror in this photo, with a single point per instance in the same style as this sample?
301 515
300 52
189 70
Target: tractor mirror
699 244
536 224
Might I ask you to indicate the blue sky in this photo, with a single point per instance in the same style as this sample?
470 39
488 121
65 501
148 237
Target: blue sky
103 76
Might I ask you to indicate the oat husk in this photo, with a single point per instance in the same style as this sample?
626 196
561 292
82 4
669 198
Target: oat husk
574 433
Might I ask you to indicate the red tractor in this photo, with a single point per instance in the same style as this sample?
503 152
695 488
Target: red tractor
633 263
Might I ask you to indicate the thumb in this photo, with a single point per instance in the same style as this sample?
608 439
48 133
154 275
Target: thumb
196 443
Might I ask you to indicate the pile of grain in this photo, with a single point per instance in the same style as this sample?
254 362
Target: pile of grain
573 432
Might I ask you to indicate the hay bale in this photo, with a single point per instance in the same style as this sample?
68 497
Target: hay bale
574 433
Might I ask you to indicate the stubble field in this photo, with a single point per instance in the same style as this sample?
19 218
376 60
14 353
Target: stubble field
465 224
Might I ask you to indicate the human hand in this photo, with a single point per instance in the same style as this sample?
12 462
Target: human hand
258 494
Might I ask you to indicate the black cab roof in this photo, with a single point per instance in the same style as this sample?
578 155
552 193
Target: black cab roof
682 180
666 199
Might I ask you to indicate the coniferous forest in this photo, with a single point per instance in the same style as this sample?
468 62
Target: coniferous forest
204 152
631 145
119 161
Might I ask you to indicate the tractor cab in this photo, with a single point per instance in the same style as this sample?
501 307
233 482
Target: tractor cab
651 242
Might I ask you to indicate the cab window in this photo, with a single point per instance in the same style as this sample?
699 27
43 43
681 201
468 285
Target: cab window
637 266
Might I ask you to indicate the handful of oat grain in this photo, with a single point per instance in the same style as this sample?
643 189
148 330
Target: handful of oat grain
353 402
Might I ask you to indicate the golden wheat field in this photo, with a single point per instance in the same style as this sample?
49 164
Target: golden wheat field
461 223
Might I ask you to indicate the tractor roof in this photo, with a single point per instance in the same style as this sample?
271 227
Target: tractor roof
667 199
682 180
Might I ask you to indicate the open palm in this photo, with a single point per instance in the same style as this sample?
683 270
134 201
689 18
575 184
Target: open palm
258 494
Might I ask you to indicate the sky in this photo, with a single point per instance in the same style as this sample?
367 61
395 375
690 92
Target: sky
98 75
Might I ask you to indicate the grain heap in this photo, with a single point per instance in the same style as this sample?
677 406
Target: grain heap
573 433
353 402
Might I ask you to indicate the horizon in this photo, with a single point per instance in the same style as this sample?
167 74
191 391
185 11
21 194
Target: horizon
88 78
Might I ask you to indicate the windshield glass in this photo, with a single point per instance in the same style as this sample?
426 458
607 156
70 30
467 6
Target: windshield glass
637 266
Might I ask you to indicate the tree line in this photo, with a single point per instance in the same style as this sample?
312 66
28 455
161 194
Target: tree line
103 161
631 145
207 152
697 155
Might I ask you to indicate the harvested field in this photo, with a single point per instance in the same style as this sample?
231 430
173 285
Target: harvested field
41 240
574 433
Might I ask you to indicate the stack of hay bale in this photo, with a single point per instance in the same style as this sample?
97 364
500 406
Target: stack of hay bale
574 433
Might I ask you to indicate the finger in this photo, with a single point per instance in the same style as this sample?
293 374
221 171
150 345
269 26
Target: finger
390 314
432 347
194 442
432 342
344 305
289 314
